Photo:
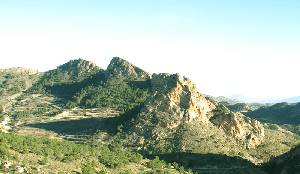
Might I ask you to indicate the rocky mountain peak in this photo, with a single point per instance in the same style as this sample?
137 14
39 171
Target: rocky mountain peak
78 66
163 82
119 67
72 71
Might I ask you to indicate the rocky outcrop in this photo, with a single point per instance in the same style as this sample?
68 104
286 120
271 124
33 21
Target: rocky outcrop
176 105
120 68
178 96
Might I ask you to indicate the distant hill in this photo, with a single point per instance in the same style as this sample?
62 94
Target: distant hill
291 100
236 105
239 107
227 100
243 107
280 113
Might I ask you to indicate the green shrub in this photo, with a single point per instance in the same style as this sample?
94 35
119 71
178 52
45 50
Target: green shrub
156 163
88 168
71 105
43 161
1 118
4 153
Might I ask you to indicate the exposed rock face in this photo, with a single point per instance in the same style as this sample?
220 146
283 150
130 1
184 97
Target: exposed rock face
121 68
176 105
179 97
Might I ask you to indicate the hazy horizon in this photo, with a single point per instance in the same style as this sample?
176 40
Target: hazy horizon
248 49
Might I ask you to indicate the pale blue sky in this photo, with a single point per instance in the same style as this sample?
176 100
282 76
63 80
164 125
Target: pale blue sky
227 47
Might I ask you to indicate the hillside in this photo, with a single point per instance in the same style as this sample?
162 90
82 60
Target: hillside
13 82
81 83
290 100
123 87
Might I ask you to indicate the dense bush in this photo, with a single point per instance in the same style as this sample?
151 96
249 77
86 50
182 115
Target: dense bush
114 93
113 157
156 163
1 109
119 158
